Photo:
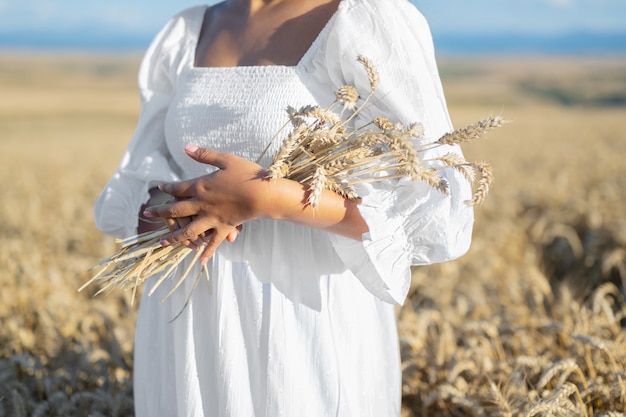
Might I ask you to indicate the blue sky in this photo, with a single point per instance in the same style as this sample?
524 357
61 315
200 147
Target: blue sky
525 16
445 15
143 18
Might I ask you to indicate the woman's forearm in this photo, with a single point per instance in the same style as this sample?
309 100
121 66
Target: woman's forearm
287 200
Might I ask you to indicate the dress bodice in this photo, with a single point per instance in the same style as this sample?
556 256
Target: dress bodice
237 110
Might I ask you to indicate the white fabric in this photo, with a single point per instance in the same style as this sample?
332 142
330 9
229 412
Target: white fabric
295 321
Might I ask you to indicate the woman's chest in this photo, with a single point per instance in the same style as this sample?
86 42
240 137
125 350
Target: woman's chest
236 110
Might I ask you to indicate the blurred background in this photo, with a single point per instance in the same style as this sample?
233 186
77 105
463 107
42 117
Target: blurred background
507 26
530 322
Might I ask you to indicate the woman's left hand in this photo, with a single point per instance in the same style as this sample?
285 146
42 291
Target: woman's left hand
218 203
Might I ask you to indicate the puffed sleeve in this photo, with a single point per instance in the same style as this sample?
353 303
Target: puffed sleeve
146 162
410 223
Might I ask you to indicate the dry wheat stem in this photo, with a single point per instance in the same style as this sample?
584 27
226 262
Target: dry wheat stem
500 400
193 288
139 257
484 184
270 142
472 132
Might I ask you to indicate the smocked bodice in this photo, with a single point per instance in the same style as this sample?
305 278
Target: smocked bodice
233 109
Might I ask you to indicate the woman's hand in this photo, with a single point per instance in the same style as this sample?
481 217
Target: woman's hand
181 222
158 197
213 207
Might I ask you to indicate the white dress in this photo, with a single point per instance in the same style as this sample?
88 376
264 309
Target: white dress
295 321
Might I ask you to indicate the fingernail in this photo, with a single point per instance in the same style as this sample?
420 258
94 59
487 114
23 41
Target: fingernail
164 242
191 148
146 213
203 261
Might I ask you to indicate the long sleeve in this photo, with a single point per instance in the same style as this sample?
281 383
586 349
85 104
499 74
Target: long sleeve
146 161
410 223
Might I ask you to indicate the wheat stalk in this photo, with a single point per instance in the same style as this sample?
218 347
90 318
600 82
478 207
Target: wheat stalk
472 132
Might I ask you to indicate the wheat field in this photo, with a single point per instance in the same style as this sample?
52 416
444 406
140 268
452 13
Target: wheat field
531 322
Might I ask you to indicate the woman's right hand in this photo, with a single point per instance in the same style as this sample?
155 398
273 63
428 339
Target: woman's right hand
151 224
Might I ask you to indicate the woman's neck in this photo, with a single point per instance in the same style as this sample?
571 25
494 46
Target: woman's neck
261 32
250 7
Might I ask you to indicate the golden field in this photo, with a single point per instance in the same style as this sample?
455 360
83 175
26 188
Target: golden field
531 322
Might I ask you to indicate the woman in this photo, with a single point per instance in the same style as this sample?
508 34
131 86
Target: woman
298 318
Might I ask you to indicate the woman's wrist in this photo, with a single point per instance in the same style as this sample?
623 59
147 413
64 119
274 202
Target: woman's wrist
287 200
284 200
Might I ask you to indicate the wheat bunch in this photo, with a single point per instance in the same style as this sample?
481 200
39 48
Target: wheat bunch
324 151
139 258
